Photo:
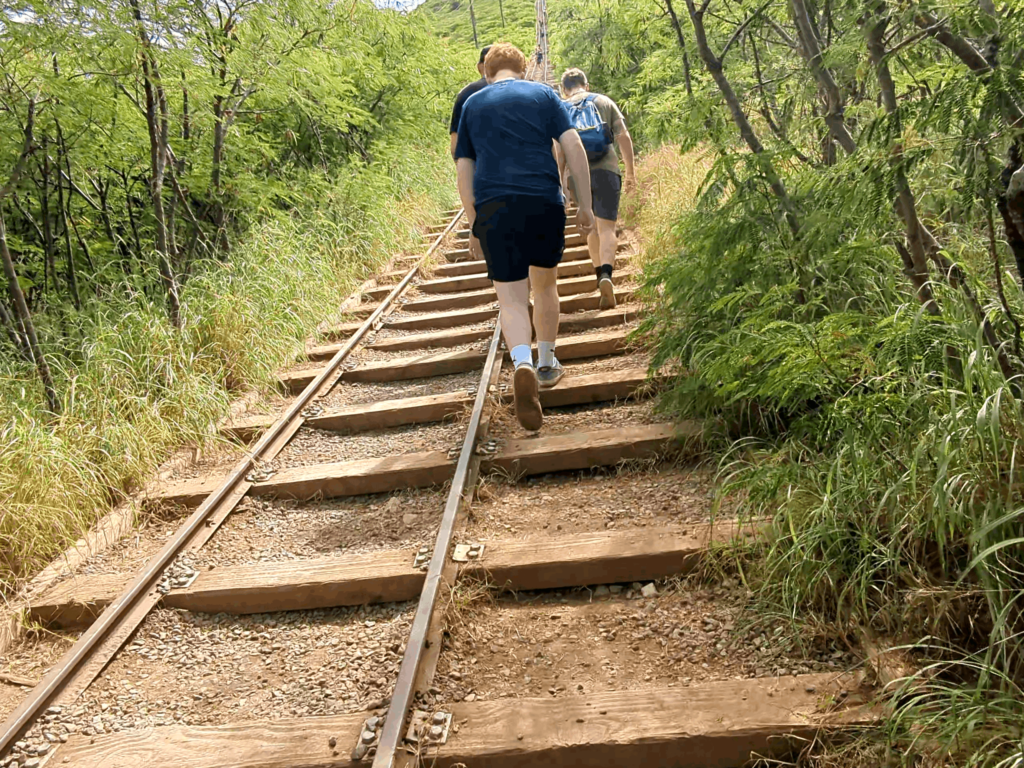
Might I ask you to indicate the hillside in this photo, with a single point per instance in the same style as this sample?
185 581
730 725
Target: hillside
496 20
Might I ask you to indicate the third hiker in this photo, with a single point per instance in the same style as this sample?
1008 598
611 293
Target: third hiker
509 185
601 127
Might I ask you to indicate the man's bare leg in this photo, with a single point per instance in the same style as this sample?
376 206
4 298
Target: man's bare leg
545 323
514 300
608 244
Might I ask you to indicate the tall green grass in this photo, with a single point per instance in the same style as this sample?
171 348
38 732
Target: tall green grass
135 389
884 444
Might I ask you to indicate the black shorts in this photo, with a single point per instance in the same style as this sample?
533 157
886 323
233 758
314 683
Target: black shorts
519 232
605 191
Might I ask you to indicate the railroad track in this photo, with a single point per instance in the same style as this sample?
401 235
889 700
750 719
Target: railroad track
394 573
397 572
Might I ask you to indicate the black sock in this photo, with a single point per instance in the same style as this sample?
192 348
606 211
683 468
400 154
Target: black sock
605 270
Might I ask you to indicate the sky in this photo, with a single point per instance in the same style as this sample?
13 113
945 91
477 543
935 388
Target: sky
398 5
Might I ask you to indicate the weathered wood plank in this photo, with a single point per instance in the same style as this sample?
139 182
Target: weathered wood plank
571 253
569 287
294 743
555 453
714 725
572 390
453 319
584 303
579 450
358 477
446 363
608 557
326 582
592 388
542 562
475 280
440 320
346 478
418 367
365 416
414 341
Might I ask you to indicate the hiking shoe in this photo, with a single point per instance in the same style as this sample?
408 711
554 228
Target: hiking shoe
549 375
527 392
607 288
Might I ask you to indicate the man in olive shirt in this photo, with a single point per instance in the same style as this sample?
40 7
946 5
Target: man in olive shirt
464 94
605 180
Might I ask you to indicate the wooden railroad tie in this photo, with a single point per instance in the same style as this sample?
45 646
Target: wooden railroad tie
540 562
713 724
472 275
385 414
453 338
531 456
445 363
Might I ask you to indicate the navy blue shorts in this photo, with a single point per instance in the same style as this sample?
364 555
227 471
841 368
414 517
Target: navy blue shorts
519 232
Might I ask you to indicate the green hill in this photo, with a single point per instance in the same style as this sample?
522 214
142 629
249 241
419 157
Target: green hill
496 20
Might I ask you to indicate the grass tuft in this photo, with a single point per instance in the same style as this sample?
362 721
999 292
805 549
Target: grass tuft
134 389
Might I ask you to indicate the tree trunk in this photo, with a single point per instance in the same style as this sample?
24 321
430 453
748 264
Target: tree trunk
920 241
157 124
834 101
472 20
25 318
26 327
682 46
714 66
72 273
14 334
49 246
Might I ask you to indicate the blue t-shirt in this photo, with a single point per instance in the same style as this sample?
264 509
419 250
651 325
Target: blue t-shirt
507 128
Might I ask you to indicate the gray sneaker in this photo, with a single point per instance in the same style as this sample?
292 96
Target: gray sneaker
550 375
527 398
607 288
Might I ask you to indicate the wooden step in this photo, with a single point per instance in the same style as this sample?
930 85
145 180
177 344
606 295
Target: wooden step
539 562
476 281
568 324
455 318
446 363
712 725
384 414
567 287
480 266
580 450
537 455
405 343
440 320
578 250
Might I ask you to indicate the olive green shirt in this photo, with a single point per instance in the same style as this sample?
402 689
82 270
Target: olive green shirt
612 117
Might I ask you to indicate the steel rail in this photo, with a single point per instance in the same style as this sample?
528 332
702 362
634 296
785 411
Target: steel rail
52 683
401 698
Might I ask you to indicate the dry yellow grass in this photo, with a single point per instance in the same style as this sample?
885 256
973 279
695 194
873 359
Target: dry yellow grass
667 185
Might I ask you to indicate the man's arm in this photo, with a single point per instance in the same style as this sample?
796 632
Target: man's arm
579 167
455 140
563 171
625 143
465 170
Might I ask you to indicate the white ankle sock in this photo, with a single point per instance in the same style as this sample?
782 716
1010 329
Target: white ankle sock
522 355
545 354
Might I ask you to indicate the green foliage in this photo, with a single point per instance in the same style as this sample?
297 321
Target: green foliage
881 439
511 21
336 152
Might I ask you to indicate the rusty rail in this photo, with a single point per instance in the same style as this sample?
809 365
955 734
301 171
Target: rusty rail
405 685
122 610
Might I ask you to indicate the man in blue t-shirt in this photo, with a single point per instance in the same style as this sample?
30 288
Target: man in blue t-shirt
510 188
